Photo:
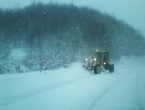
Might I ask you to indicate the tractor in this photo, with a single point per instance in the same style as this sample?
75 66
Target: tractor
99 61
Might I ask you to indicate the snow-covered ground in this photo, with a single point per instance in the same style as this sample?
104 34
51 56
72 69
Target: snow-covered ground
76 89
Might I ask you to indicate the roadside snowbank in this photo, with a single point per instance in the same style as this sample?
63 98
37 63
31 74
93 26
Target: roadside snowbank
17 54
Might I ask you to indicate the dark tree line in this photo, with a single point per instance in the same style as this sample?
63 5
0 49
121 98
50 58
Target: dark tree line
62 34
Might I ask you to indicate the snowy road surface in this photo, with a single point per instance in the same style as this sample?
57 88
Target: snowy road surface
76 89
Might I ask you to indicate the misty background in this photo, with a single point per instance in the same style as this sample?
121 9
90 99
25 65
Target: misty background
131 11
61 34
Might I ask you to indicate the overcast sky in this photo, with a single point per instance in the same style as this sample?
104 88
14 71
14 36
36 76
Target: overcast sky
131 11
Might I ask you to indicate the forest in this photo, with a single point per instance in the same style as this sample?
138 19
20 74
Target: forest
62 34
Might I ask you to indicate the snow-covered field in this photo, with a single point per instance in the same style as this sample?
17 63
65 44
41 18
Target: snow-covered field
76 89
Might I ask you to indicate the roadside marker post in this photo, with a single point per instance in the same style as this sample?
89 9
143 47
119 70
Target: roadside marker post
45 66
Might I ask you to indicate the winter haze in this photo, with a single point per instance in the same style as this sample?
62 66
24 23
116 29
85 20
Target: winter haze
44 47
131 11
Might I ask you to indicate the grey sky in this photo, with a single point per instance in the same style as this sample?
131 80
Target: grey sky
131 11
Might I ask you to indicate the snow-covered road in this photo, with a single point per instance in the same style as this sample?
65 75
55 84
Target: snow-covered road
76 89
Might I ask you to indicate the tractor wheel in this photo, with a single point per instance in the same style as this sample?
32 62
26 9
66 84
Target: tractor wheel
111 68
97 69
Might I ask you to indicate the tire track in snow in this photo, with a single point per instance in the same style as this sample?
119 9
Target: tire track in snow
138 95
12 99
100 96
107 90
